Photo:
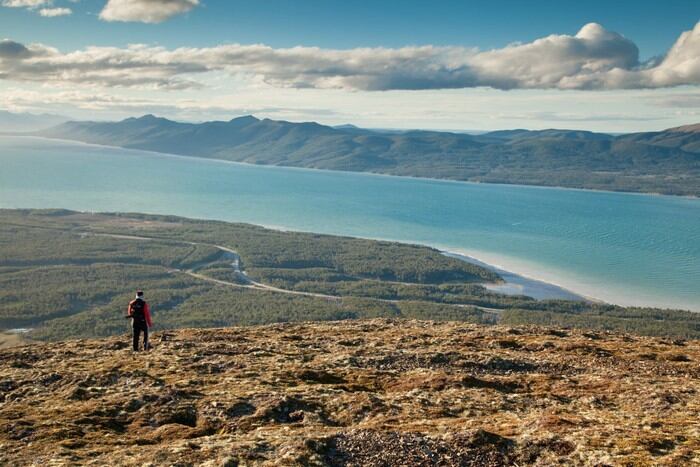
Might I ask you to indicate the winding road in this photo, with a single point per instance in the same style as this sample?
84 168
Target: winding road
248 282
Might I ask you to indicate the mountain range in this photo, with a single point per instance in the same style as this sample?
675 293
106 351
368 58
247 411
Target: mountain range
665 162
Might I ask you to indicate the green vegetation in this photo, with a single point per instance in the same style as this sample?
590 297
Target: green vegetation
67 274
646 321
292 255
656 162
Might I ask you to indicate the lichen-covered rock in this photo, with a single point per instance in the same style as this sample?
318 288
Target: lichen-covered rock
354 393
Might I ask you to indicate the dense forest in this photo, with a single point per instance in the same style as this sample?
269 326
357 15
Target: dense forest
655 162
66 274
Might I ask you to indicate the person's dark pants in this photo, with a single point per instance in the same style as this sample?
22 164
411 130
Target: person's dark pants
138 328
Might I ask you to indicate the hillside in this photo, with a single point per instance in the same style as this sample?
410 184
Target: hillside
659 162
354 393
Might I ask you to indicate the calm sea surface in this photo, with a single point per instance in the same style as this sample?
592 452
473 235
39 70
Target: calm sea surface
622 248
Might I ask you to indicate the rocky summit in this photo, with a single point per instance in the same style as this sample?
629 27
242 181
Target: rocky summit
354 393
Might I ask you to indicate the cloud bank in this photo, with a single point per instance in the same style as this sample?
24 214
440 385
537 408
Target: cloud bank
31 4
36 5
593 58
144 11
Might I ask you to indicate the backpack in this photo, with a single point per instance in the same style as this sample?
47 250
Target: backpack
138 310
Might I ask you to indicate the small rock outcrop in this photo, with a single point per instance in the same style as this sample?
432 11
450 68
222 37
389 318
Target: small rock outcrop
354 393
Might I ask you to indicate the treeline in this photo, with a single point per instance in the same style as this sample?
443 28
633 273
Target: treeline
60 273
636 321
38 245
219 306
263 248
48 294
321 280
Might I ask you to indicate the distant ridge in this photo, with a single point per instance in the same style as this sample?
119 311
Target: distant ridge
665 162
686 128
12 121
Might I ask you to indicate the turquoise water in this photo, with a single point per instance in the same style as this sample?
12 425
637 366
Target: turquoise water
622 248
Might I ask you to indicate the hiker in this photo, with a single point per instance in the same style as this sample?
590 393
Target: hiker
140 319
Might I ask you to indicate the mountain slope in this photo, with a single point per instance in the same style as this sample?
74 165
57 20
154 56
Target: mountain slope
354 393
665 162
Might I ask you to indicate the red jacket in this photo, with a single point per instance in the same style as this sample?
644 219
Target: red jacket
146 312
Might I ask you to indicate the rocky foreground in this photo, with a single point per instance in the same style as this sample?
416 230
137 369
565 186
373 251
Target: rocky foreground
361 393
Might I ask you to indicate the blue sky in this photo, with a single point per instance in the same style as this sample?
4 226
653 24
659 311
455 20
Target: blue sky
468 91
653 25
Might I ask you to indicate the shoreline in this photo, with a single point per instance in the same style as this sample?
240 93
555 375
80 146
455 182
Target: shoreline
524 276
527 278
514 267
521 278
545 290
530 273
470 257
524 282
376 174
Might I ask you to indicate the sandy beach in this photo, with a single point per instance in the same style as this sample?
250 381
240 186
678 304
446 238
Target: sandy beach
516 284
544 283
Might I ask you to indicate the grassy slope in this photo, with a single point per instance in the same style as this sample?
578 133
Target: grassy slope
369 393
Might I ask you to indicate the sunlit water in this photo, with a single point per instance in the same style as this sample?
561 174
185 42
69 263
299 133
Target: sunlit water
621 248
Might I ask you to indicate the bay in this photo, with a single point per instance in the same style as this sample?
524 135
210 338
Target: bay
628 249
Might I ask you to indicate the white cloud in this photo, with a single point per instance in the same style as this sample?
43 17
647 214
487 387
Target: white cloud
116 105
25 3
556 61
52 12
145 11
594 58
36 5
681 64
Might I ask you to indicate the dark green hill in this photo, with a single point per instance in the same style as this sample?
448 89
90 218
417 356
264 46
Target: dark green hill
657 162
